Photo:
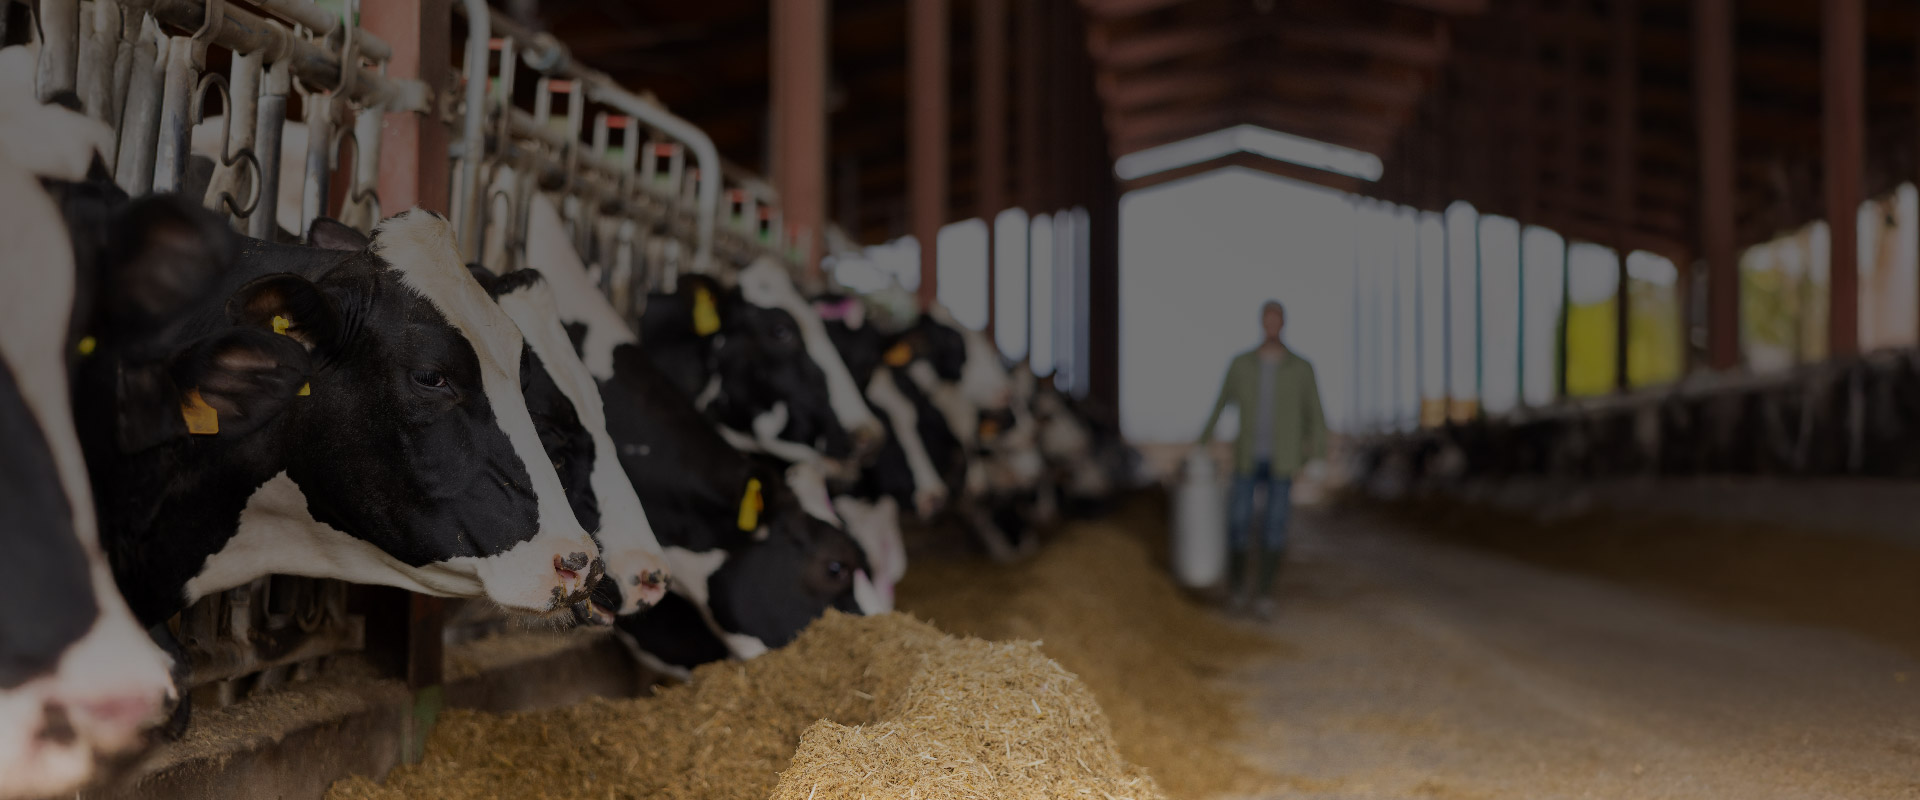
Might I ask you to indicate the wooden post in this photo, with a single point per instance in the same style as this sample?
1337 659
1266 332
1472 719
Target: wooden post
990 133
1714 114
1843 134
1529 170
1031 131
1571 127
415 170
927 134
1625 127
800 42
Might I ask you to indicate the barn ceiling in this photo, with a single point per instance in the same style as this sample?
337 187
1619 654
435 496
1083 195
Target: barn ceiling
1514 105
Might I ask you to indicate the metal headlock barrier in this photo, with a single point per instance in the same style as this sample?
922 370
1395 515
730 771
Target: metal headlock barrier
644 193
635 207
150 69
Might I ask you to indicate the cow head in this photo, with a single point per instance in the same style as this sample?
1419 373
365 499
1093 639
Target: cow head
767 284
799 563
747 368
571 418
78 677
403 454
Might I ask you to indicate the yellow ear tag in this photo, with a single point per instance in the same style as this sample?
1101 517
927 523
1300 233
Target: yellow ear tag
305 389
989 429
201 419
87 345
750 506
281 324
899 355
706 318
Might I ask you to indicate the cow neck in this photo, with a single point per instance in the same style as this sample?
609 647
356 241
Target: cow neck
676 461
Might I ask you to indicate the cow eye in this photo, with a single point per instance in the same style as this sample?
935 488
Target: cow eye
783 335
836 570
430 379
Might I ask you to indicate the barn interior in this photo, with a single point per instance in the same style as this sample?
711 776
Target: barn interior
1606 489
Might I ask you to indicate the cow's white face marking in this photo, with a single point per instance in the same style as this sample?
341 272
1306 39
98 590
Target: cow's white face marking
691 570
420 249
876 526
809 484
766 284
929 490
982 381
869 598
629 547
708 394
766 438
578 298
113 666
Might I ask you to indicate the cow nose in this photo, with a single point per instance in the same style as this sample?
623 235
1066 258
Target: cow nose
928 502
578 572
867 440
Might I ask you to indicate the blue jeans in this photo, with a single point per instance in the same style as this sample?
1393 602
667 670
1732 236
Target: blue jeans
1240 509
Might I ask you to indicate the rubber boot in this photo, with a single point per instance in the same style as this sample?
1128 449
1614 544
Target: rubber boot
1237 580
1262 605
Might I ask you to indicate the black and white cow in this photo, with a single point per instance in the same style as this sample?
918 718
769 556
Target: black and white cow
79 679
571 417
333 413
902 469
751 580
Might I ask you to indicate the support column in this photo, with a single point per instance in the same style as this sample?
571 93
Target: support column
1572 127
1843 129
1625 118
414 165
1030 132
801 38
415 170
927 134
1713 85
1527 152
990 134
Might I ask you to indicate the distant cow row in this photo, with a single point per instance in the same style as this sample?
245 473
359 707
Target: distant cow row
185 410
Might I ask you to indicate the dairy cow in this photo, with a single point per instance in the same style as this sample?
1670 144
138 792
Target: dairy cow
571 417
79 679
334 413
752 562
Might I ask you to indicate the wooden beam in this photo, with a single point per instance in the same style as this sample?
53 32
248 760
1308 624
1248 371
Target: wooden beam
1843 137
1713 84
1428 49
1139 51
1624 123
1113 9
1458 8
990 136
798 84
927 32
1152 89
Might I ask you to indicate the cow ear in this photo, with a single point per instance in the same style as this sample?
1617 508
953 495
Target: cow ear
226 385
331 234
165 252
290 305
482 276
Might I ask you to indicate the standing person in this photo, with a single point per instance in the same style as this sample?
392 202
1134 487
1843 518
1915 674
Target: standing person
1281 429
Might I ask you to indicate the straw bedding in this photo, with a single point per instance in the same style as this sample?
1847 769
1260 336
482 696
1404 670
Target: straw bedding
888 706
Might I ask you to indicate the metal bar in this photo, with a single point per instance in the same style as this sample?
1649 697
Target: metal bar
1446 314
1419 319
326 25
59 48
140 126
99 43
1843 139
170 156
270 118
1479 319
314 187
244 32
927 134
466 197
545 54
1624 118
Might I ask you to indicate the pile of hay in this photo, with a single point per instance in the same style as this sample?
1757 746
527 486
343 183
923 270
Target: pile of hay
877 705
1097 602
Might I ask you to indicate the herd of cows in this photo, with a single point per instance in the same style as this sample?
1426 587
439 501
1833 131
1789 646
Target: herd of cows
185 410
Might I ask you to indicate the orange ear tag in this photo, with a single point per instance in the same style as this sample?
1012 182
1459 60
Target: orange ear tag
706 318
751 505
989 429
201 419
899 355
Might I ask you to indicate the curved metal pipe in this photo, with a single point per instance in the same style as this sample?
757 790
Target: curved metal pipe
472 143
546 54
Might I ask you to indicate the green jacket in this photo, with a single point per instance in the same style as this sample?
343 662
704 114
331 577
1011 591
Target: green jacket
1299 427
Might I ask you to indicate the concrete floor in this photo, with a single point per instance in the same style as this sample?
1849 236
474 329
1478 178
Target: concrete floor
1422 670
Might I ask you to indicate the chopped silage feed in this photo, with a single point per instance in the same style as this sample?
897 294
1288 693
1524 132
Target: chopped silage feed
1093 679
878 706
